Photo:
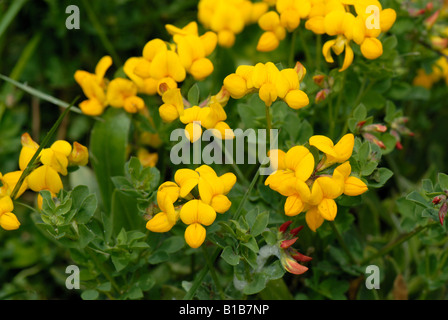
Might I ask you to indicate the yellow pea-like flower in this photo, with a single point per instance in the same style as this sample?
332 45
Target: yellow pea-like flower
29 148
45 178
79 155
371 48
8 220
338 153
195 235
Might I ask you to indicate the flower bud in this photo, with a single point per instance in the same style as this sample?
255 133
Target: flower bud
9 221
79 155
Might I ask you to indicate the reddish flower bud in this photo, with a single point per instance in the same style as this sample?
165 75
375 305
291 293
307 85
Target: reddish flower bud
432 19
399 146
284 226
295 231
372 138
319 80
287 243
436 200
376 127
360 124
322 95
301 257
442 212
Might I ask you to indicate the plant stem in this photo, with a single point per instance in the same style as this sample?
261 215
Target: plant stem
197 282
292 50
101 33
268 123
211 268
45 141
305 49
246 195
342 242
103 270
400 239
318 52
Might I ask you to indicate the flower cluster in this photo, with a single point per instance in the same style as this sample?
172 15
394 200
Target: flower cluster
309 188
209 114
290 257
161 64
270 83
176 200
439 72
229 17
45 175
333 18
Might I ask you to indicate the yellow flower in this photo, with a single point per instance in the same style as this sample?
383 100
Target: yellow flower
45 178
228 17
9 181
195 214
122 93
29 148
295 165
193 49
163 221
79 155
147 159
173 105
338 153
57 156
8 220
291 11
94 87
274 32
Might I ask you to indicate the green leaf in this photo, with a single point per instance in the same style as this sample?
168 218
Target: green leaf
193 95
260 224
417 198
90 295
443 181
87 209
360 113
256 285
172 244
230 257
108 148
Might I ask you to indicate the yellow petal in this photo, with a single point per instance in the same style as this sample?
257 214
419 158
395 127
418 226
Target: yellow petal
159 223
193 131
79 155
102 66
187 179
11 179
9 221
344 147
348 59
372 48
323 143
313 219
328 209
293 205
221 203
92 107
326 50
201 68
6 205
45 178
354 186
331 188
268 42
297 99
195 235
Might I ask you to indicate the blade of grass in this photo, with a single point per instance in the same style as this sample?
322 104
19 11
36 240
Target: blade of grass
44 143
44 96
101 33
9 16
18 68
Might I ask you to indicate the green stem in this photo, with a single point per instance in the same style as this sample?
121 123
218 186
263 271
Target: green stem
45 141
101 33
197 282
292 50
9 16
400 239
305 49
211 268
268 123
103 270
342 242
318 52
330 117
